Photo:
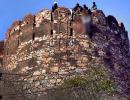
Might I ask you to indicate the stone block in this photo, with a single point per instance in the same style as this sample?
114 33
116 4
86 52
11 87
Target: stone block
54 69
37 73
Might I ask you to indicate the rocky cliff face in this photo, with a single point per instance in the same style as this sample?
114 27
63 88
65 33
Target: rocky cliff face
52 46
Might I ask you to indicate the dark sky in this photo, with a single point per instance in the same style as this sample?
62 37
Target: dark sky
11 10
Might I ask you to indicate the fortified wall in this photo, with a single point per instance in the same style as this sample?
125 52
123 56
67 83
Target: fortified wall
1 53
52 46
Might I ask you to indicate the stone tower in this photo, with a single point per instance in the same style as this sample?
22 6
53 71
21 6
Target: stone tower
52 46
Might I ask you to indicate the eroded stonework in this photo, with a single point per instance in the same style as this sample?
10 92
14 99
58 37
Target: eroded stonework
49 47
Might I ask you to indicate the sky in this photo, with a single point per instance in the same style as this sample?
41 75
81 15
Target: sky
11 10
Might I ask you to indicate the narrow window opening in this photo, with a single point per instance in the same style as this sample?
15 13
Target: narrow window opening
71 32
14 30
33 37
90 34
7 51
51 16
18 42
51 32
0 76
26 22
34 24
0 97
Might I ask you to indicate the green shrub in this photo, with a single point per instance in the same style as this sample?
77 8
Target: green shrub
75 82
96 80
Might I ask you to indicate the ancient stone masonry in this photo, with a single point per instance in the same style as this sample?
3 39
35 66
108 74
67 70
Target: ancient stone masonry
1 52
51 46
1 64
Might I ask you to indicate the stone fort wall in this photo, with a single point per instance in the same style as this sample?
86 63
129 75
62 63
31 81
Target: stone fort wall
53 46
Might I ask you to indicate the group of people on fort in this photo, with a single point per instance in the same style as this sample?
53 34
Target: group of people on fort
94 7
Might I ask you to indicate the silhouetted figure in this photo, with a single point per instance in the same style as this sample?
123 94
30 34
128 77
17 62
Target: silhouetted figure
77 6
89 12
54 7
85 7
94 7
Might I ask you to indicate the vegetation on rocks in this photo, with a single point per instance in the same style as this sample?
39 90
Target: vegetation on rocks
96 81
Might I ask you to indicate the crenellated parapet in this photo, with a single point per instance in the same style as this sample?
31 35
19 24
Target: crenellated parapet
99 17
112 22
28 19
75 20
122 27
60 23
42 15
61 14
15 27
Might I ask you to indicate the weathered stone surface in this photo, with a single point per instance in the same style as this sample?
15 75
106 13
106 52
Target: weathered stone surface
54 69
50 50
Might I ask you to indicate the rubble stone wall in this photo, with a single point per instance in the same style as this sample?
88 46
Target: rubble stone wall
51 47
1 63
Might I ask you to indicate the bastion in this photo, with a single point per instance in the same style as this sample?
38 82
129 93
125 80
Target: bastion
59 44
